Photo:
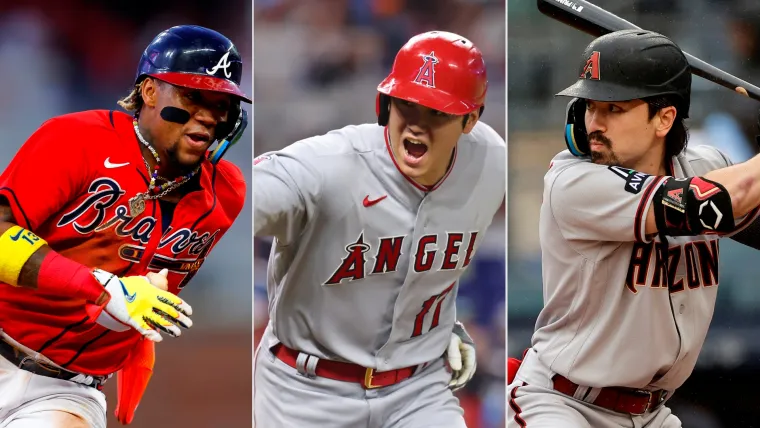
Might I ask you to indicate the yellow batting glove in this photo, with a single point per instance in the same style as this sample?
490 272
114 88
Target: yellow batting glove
137 303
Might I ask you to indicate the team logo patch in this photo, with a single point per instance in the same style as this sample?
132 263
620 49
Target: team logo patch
676 195
260 159
674 200
634 180
426 75
591 69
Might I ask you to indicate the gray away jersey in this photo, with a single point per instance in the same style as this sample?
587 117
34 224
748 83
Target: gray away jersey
365 263
609 318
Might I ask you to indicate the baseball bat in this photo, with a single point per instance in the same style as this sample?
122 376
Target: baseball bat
594 20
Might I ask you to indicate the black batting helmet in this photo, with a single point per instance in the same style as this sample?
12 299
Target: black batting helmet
632 64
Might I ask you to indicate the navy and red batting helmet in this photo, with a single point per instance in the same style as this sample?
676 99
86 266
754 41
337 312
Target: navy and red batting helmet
194 57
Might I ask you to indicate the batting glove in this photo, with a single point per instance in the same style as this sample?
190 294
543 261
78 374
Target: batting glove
461 357
135 302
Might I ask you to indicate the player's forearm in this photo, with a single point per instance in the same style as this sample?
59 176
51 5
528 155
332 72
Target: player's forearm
742 182
28 275
27 261
31 270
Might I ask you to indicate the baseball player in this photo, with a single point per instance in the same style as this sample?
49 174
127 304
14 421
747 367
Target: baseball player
104 218
373 227
629 228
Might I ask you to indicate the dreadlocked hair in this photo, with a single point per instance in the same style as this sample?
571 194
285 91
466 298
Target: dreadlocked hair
133 101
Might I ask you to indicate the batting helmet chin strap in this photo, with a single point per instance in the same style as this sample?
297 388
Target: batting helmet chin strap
232 137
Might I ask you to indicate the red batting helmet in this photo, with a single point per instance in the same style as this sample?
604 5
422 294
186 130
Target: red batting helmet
440 70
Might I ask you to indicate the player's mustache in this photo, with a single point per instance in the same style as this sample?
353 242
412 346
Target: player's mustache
597 136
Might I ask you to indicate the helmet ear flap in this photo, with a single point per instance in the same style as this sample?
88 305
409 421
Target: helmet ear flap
575 128
228 133
382 109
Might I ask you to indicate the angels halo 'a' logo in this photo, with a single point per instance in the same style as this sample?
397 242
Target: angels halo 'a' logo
591 69
260 159
224 63
426 75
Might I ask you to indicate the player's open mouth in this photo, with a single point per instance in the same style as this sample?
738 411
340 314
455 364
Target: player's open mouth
414 150
198 139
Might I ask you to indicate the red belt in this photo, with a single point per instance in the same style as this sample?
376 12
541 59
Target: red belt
347 372
622 400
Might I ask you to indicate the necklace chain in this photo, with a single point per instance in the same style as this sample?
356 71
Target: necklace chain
137 203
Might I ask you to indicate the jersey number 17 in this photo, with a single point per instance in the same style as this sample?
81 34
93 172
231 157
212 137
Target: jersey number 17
426 306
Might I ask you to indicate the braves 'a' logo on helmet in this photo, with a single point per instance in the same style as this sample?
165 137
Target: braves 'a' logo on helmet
223 64
426 75
591 69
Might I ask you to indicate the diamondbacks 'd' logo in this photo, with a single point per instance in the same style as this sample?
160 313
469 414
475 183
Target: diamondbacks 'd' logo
426 75
676 195
224 63
591 69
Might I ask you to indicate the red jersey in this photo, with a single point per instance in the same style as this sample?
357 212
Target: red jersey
70 184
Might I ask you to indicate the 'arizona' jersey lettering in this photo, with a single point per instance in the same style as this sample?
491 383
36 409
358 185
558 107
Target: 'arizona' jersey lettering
608 287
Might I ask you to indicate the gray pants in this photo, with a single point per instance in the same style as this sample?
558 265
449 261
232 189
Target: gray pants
535 404
284 398
31 401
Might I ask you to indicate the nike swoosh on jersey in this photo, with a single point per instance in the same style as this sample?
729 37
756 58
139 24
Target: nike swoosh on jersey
130 297
110 165
368 203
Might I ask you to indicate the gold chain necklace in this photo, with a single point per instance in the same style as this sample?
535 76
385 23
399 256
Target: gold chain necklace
137 202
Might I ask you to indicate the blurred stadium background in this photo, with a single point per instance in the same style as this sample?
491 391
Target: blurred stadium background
544 57
318 64
75 55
